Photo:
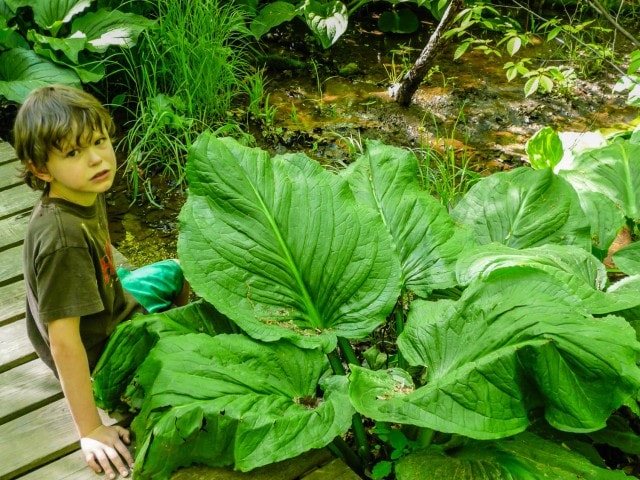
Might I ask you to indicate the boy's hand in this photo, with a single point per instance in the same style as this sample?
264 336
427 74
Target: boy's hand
104 447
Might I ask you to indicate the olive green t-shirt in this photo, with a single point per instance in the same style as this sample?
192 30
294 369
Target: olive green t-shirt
69 272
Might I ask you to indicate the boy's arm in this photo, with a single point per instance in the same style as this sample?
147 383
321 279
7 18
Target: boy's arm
100 444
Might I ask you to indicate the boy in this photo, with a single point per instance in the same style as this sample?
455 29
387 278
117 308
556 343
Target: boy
75 298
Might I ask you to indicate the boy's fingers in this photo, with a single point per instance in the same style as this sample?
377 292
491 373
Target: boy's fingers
93 465
124 453
124 434
116 459
104 462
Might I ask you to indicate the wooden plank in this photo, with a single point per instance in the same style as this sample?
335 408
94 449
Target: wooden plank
12 302
17 199
335 470
289 469
27 388
7 153
15 347
11 265
12 229
71 467
47 433
10 174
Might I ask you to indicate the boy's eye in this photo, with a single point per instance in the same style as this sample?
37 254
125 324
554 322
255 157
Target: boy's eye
72 153
100 141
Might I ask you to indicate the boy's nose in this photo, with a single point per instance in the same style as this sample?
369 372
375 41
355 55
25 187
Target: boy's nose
94 156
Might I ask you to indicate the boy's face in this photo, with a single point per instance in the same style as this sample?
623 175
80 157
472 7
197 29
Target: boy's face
78 173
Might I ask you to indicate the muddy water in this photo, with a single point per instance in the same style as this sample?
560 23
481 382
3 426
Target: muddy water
141 231
468 100
343 96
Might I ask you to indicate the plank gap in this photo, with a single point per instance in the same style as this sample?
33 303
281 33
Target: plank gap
10 280
12 303
26 388
18 213
14 244
71 467
9 186
31 408
7 153
16 362
41 462
15 318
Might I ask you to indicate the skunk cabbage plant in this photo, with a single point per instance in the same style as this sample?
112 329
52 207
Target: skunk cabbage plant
606 177
59 41
328 20
294 255
508 337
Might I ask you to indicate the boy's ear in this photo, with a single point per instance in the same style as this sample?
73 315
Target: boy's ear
41 174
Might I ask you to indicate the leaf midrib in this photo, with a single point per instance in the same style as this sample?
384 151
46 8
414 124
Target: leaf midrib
313 314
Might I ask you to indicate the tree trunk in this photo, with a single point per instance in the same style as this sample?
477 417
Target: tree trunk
413 78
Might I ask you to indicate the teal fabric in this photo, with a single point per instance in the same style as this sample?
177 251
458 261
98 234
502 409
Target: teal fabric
155 285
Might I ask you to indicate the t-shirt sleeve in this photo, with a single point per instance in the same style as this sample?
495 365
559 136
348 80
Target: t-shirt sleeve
67 285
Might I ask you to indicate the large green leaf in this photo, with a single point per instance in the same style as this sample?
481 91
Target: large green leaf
21 71
9 37
631 286
229 399
280 246
71 46
105 28
544 149
579 280
499 352
613 170
523 457
193 433
619 433
6 13
52 14
551 149
402 20
92 71
131 342
327 20
627 259
272 15
635 135
548 148
425 239
574 261
524 208
606 218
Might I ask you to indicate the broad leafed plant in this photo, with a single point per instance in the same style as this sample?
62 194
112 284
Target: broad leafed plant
511 341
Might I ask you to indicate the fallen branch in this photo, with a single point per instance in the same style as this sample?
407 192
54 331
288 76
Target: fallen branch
597 6
412 79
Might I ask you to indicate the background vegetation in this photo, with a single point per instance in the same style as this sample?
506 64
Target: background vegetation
185 69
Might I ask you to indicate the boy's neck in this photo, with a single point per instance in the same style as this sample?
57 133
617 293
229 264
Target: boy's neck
84 199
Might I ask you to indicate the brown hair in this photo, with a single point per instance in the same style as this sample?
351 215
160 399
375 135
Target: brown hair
50 117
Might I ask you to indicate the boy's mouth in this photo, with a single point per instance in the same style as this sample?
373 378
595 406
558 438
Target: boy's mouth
102 175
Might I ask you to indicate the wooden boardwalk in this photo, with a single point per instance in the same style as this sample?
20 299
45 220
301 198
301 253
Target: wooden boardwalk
38 440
